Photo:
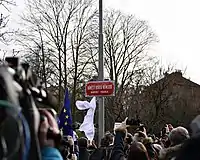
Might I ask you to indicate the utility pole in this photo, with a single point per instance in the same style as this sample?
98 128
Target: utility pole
101 73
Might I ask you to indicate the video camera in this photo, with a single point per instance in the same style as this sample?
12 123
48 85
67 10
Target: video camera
20 93
28 80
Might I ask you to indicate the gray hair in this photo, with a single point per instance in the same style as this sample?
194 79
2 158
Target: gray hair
178 135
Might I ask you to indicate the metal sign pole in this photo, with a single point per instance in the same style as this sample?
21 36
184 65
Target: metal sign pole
101 72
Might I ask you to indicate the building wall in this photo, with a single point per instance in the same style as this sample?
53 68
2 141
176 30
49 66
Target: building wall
176 98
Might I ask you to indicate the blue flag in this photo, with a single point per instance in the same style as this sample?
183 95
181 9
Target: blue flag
65 118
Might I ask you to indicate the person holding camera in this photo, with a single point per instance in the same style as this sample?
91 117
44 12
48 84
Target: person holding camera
48 146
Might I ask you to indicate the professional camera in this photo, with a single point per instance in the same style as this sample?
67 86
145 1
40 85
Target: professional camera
20 93
28 80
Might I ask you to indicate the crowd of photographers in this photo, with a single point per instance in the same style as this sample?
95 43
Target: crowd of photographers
28 132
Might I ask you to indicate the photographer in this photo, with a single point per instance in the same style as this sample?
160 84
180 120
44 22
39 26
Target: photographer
35 130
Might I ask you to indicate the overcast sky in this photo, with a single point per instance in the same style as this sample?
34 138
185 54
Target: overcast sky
176 22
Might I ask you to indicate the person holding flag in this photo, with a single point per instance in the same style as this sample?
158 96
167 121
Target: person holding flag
65 122
65 118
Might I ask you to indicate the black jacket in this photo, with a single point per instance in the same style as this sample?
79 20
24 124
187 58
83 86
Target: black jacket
83 154
118 148
102 153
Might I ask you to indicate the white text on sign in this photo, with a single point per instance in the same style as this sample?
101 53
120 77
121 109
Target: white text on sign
99 87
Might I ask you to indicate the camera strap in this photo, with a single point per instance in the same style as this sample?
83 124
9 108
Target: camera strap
27 136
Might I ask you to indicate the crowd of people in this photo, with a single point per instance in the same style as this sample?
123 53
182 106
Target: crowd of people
174 143
28 132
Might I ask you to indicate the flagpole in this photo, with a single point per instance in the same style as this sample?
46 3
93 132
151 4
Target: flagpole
101 73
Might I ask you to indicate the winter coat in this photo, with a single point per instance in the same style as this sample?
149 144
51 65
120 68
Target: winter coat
170 153
83 154
49 153
102 153
148 143
190 150
118 148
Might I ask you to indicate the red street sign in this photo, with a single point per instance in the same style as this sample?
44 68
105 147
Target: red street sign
99 88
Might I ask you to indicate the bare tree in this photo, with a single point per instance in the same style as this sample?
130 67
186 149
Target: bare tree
81 58
53 29
6 3
4 19
127 40
42 65
150 98
62 27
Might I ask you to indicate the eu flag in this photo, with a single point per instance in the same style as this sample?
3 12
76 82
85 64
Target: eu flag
65 117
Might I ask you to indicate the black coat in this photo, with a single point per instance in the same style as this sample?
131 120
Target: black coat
102 153
83 154
118 148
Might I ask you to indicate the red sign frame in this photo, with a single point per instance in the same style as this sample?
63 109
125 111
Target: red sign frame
99 89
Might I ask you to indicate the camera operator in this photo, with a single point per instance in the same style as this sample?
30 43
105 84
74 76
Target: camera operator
27 132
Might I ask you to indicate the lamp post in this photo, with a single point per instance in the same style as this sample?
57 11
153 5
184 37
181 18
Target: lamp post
101 73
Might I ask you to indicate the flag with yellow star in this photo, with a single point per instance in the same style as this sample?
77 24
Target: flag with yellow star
65 118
